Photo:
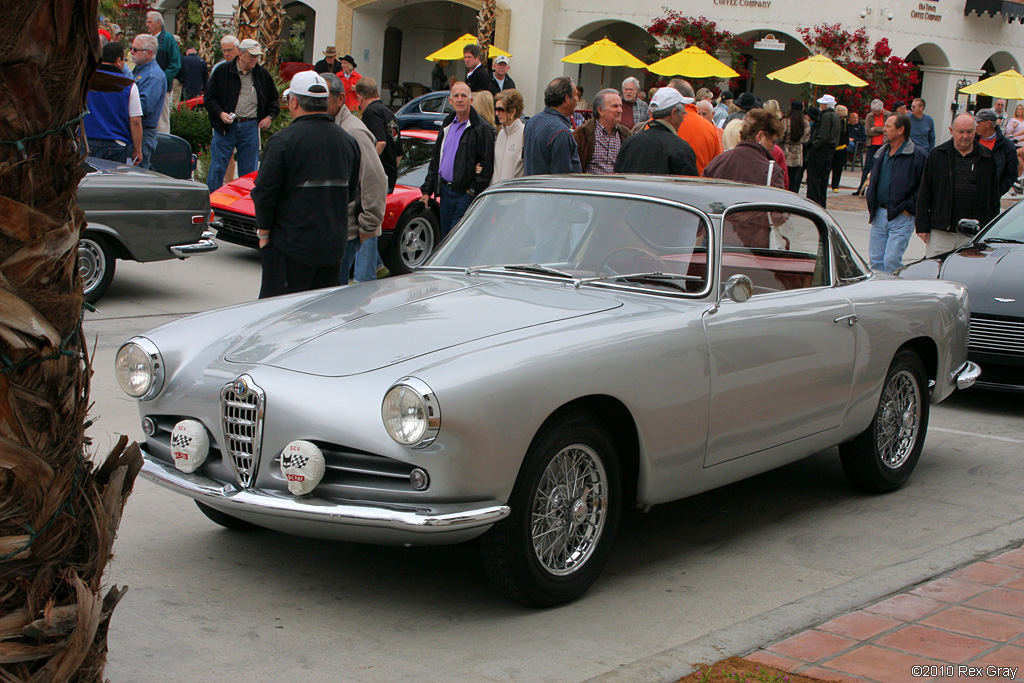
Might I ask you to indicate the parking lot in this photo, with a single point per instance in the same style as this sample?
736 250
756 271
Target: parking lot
206 604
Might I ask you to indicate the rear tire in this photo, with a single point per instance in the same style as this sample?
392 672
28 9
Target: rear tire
96 264
565 511
415 238
225 520
884 455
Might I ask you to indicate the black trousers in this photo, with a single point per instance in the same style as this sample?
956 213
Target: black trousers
838 164
818 163
283 275
796 176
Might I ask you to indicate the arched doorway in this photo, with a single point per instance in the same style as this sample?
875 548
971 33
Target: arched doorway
298 31
771 50
629 37
933 80
996 64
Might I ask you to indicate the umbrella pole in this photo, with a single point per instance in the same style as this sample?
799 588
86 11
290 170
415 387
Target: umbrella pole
602 77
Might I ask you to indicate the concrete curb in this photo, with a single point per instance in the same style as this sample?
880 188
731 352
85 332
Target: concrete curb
746 636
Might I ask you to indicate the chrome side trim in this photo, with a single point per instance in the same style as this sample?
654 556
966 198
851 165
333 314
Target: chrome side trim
400 517
966 375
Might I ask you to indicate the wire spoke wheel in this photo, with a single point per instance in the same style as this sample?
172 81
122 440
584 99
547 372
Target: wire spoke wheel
899 418
568 510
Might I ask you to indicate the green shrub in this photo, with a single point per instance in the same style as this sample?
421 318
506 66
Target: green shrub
194 127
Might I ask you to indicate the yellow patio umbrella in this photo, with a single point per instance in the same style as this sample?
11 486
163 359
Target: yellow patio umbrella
693 62
604 53
453 51
817 70
1008 85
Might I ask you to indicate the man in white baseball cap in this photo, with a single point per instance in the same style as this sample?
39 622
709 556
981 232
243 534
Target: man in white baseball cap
824 140
658 149
309 171
500 80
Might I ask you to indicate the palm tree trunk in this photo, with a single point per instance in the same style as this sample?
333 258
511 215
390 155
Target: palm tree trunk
271 24
247 20
58 513
205 32
485 19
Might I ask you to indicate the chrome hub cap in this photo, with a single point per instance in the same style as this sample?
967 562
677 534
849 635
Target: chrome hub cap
899 419
568 514
91 264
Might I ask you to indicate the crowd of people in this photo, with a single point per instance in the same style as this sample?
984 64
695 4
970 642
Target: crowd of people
322 187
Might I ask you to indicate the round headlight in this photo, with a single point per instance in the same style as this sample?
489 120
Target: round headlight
138 368
410 413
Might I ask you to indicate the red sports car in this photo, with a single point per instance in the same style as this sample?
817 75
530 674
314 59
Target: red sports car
410 232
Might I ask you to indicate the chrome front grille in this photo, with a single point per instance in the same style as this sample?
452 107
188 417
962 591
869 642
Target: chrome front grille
1000 336
242 404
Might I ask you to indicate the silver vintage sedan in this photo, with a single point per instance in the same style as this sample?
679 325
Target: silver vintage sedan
577 345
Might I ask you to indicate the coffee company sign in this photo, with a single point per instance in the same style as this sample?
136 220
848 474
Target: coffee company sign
769 42
758 4
926 11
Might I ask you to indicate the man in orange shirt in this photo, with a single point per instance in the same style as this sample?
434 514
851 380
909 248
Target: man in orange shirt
874 125
695 129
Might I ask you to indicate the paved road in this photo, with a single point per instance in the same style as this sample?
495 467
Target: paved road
210 605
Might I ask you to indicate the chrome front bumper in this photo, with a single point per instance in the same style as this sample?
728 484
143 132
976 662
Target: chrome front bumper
309 516
204 245
967 375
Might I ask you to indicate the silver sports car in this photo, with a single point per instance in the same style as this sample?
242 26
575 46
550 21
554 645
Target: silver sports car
577 345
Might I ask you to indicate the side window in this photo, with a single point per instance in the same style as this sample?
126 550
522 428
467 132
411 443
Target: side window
433 105
777 249
849 266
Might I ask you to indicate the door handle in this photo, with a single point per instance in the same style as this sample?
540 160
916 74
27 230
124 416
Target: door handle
851 319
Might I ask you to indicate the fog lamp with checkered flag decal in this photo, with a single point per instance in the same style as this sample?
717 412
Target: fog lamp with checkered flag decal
190 445
302 464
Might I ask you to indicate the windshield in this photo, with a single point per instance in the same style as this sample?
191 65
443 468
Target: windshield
1009 226
599 238
416 156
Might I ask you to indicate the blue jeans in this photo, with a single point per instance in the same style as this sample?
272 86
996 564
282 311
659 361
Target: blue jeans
244 140
453 207
889 239
110 150
148 145
364 256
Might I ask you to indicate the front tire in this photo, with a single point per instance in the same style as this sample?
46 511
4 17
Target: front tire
565 512
884 455
414 240
96 263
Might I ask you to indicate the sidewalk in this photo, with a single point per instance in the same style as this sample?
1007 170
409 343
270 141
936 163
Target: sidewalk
967 625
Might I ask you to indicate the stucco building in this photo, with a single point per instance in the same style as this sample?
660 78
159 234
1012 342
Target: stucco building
952 41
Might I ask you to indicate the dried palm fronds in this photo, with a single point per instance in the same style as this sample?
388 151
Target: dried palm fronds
58 514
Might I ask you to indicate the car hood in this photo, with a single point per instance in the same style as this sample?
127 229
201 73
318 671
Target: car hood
990 272
365 327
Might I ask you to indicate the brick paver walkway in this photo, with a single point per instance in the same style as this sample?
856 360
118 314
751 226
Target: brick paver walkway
968 625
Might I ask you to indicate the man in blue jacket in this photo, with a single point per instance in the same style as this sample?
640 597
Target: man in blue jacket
113 125
152 86
896 172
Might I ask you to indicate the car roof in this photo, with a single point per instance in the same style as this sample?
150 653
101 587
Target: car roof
710 195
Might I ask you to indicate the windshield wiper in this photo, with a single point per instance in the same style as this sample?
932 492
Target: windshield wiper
657 276
523 267
1003 240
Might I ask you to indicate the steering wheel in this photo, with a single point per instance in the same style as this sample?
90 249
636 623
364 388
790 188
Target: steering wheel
658 260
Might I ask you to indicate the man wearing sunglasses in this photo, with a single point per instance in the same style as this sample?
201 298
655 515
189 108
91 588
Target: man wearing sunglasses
152 85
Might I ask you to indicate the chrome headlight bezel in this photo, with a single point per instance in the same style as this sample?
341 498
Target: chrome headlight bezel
424 402
153 364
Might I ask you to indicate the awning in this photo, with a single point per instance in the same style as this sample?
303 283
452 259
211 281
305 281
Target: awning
1008 9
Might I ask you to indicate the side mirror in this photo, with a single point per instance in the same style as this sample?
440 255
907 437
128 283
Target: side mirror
968 227
738 288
